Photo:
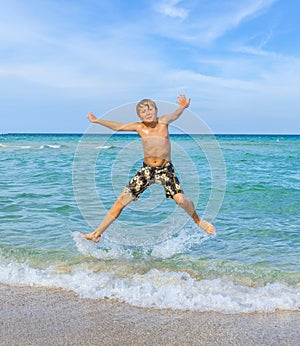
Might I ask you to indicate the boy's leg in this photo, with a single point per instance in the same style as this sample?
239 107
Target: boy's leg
122 201
186 204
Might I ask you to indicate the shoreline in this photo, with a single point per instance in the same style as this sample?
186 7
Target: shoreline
41 316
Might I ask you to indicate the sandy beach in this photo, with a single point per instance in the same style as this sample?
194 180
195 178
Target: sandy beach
37 316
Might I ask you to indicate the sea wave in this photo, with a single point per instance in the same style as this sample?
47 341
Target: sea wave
54 146
159 289
105 147
8 146
35 147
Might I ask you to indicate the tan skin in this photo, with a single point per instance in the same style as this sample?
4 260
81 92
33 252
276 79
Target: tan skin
155 138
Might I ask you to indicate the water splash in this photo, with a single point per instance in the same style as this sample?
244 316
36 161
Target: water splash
182 242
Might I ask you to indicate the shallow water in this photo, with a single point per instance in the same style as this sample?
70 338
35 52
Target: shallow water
54 186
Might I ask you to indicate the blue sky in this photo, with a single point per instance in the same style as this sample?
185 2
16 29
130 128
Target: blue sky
238 60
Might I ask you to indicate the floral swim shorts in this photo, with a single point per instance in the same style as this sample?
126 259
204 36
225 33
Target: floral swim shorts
147 175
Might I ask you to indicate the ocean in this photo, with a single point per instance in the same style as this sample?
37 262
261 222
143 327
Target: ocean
55 186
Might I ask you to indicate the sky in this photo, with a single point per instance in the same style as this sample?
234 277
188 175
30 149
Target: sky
238 61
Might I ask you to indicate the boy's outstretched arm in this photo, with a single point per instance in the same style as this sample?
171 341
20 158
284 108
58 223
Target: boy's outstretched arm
183 104
113 125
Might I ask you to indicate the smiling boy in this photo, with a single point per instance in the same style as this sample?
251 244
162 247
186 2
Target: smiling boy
157 166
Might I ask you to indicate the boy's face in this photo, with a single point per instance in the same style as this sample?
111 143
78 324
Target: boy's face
147 113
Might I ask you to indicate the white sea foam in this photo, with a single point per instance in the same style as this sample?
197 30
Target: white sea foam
51 146
176 244
15 146
159 289
43 146
104 147
108 250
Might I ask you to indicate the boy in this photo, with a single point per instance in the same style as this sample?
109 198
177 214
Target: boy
157 166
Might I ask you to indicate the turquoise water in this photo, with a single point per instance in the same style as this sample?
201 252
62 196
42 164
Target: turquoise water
54 186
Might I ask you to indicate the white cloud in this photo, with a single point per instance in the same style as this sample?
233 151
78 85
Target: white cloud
207 21
169 8
232 17
258 48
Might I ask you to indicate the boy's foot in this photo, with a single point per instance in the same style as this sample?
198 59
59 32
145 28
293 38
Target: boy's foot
93 236
207 226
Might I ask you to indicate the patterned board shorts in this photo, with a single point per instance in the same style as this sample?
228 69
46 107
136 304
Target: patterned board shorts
147 175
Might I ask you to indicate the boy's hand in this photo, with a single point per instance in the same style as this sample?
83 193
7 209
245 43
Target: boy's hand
181 100
91 117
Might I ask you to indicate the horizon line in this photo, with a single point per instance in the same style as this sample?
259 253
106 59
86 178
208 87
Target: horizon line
133 133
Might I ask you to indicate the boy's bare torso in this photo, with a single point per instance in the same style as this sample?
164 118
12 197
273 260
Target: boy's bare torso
156 143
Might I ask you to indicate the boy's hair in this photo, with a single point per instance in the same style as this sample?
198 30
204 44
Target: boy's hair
145 102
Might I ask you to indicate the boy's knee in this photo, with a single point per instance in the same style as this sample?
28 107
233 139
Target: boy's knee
124 199
185 203
180 199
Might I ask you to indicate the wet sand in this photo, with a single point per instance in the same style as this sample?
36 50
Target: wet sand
37 316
